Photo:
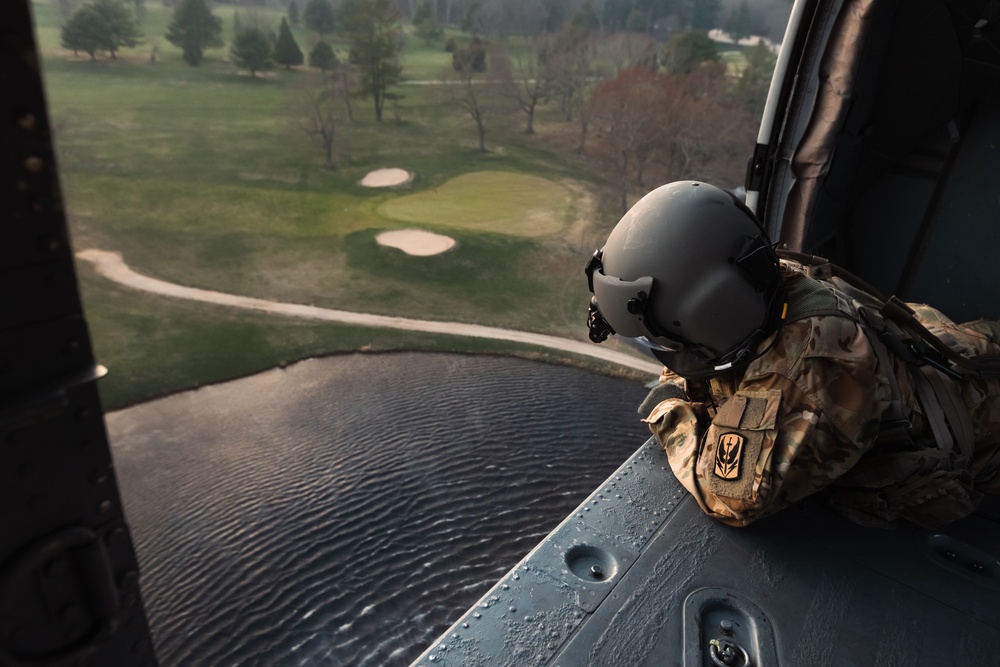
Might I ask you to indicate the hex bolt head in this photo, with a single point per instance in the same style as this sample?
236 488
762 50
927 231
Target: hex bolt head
596 571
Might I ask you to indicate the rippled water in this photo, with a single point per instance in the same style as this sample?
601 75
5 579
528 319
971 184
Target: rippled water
345 511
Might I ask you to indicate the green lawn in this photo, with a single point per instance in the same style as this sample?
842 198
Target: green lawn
203 176
499 202
154 345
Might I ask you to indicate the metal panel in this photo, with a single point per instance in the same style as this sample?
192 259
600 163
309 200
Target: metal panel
69 589
804 587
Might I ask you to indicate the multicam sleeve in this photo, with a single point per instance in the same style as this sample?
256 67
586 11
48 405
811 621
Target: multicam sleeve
803 415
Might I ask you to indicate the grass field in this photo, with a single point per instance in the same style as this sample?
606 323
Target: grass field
201 176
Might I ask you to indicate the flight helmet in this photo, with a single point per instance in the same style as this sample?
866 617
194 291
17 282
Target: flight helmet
688 272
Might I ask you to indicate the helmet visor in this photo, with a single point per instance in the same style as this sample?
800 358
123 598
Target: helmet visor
623 303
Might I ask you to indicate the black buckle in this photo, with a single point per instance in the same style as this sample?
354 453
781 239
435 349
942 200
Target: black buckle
84 549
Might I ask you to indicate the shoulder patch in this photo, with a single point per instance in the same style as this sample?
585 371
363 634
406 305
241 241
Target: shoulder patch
729 456
738 444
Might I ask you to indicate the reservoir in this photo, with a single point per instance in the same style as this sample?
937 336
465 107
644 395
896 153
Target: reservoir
346 510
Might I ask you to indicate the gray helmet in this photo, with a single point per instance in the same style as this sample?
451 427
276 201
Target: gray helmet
689 272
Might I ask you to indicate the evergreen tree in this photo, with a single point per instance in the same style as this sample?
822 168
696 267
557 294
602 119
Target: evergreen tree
615 14
84 31
123 29
472 58
319 17
429 31
286 49
194 28
740 23
586 17
425 23
252 49
686 50
346 8
637 21
423 12
703 13
322 57
293 13
755 79
105 25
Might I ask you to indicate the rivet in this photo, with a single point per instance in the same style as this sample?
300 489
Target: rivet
48 243
27 122
105 506
34 164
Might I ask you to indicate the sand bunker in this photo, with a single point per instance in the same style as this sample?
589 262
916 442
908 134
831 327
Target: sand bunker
416 242
384 178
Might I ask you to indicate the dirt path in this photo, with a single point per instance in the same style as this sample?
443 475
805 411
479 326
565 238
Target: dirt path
113 267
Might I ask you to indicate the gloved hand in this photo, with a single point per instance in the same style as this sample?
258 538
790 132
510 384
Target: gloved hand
660 393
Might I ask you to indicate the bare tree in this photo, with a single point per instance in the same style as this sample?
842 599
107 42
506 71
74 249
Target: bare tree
376 41
654 128
523 78
628 113
502 18
570 68
341 85
709 128
467 95
625 50
318 118
476 92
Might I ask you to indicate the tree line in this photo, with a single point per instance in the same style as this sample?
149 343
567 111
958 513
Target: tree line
649 110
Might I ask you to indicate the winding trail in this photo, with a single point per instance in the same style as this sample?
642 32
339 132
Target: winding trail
113 267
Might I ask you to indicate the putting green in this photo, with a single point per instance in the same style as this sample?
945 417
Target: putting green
493 201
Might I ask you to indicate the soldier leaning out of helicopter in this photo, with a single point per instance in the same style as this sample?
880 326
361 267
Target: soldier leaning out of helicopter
785 375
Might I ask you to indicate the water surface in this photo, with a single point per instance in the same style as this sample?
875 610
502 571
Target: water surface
345 511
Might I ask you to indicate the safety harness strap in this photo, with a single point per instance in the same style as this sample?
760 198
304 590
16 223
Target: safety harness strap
955 411
933 412
823 293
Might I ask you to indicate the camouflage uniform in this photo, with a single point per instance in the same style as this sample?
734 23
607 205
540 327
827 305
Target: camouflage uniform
807 416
